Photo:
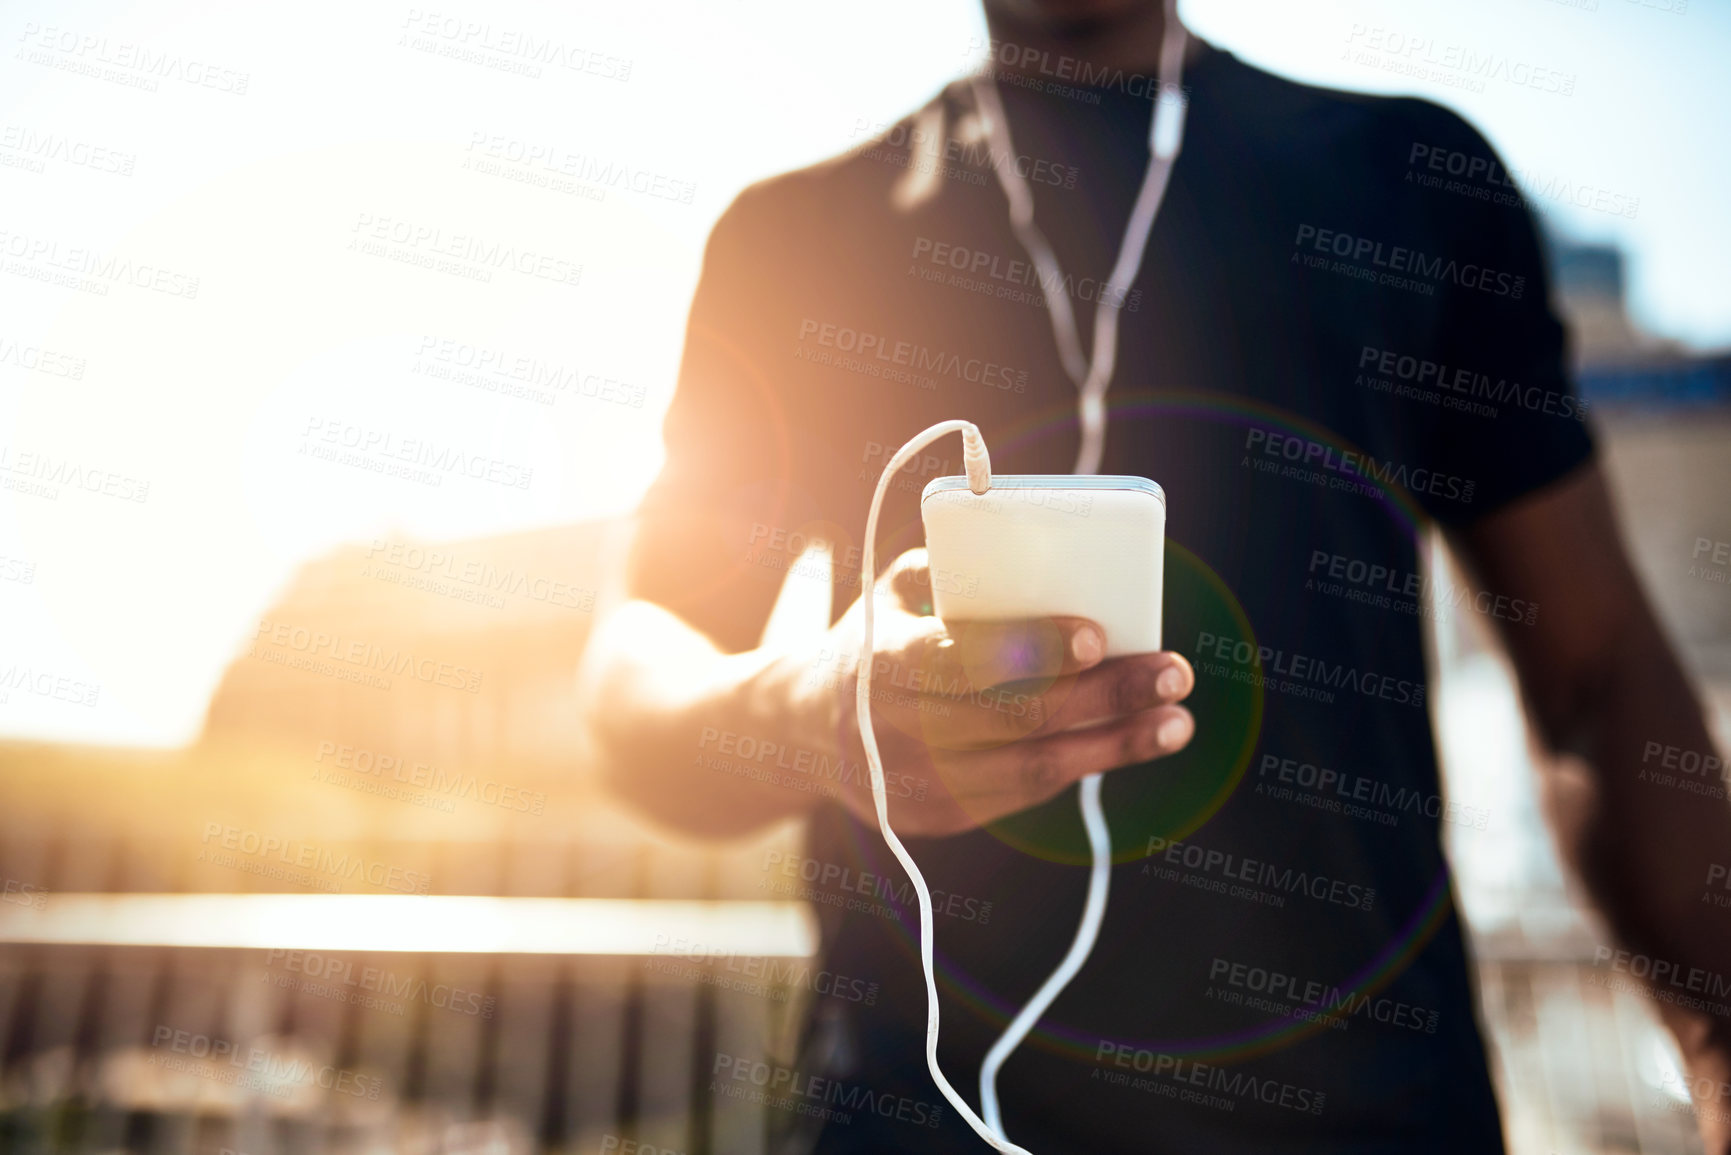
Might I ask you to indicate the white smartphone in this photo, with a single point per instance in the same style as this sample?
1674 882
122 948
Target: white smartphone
1039 545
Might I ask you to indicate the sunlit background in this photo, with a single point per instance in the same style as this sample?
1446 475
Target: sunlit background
295 163
257 195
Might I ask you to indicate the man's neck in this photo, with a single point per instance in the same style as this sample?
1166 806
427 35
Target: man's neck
1128 43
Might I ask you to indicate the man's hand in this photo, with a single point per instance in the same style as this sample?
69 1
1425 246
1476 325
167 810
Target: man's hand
1705 1043
1602 684
979 720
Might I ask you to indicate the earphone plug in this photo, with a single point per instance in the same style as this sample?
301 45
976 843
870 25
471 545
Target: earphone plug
975 460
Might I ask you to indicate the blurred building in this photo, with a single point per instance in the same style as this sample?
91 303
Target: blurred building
1618 364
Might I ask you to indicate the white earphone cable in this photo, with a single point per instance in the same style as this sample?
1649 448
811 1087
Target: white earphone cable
978 468
1091 376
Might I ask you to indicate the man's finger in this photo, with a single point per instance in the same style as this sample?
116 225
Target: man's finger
985 719
965 660
909 580
1027 773
1042 649
982 719
995 652
1121 687
999 682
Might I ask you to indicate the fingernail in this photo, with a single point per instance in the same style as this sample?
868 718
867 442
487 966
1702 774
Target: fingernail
1173 732
1170 683
1086 645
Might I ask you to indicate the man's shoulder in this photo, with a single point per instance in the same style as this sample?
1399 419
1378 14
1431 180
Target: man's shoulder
1292 135
1315 124
1324 132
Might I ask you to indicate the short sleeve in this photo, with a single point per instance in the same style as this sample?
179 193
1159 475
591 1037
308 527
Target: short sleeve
688 551
1510 419
718 529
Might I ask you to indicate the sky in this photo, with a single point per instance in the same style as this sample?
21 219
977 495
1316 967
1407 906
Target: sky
277 178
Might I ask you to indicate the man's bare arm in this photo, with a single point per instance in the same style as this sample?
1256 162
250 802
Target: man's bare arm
716 744
1603 684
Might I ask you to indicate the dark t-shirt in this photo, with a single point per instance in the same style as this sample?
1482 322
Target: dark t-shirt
1340 335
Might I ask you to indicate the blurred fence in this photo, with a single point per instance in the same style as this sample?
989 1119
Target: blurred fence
263 1052
157 1049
